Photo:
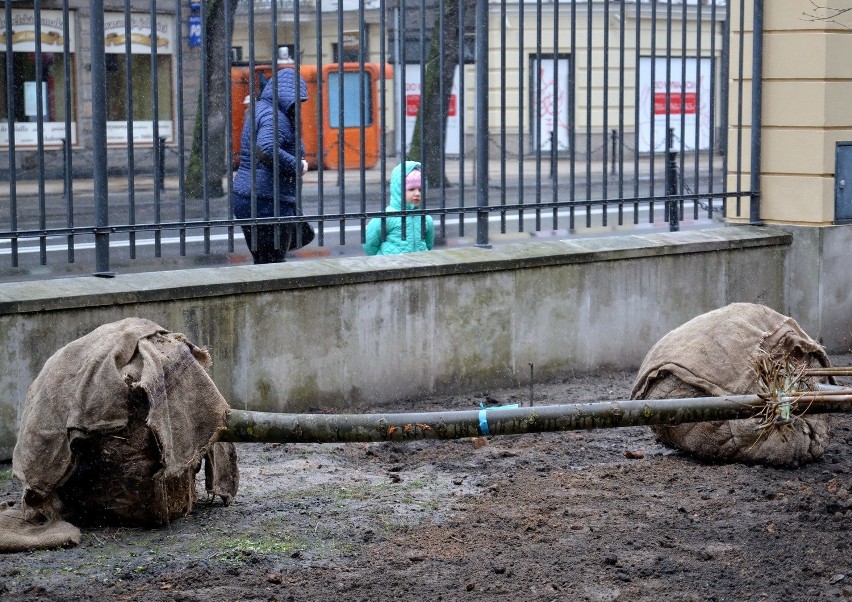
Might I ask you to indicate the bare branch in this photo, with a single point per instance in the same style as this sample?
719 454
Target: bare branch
826 14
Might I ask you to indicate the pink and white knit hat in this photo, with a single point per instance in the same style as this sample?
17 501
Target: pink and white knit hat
413 180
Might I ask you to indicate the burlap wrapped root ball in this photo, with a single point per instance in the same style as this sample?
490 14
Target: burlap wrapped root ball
116 426
715 354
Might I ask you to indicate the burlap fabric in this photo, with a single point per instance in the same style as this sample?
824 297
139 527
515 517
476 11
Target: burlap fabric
714 355
114 429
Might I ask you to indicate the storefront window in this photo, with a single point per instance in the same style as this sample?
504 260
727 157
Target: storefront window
142 42
24 86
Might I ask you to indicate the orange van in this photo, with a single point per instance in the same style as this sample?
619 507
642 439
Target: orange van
341 138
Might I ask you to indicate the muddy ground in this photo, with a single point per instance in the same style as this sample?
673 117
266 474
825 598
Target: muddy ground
583 515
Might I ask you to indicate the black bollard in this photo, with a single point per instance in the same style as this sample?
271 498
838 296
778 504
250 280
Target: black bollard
161 170
671 183
614 147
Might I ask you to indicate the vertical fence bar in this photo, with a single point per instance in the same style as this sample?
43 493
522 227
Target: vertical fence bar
538 114
297 50
554 140
442 138
364 92
252 131
10 115
756 106
653 129
521 117
461 111
605 119
205 130
276 161
482 155
572 118
68 168
383 167
229 141
588 113
99 139
622 68
698 99
503 82
40 112
678 206
740 108
714 79
422 150
403 60
155 122
128 113
402 78
180 128
669 139
637 115
724 84
318 124
341 179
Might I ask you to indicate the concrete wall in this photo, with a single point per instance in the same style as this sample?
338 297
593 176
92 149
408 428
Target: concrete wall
818 283
327 333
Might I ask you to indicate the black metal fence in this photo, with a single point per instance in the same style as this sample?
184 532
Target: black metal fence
120 124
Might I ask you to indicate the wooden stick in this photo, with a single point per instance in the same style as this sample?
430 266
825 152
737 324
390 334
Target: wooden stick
833 371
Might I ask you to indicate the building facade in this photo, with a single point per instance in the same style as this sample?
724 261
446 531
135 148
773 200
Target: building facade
151 65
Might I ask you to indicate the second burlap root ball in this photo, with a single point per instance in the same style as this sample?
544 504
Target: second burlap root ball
714 355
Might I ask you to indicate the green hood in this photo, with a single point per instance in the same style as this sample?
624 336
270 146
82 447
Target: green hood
397 185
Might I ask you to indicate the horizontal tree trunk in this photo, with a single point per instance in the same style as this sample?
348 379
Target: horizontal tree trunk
246 426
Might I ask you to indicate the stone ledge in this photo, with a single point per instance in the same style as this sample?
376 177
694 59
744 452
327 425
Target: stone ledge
148 287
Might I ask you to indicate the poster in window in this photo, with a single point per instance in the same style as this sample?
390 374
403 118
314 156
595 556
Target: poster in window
144 38
549 102
411 107
683 101
21 29
31 100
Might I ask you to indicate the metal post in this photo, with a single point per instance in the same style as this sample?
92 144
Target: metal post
671 183
756 102
482 122
161 168
552 153
99 139
614 149
66 177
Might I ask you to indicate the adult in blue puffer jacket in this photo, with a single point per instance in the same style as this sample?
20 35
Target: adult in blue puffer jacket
415 238
268 142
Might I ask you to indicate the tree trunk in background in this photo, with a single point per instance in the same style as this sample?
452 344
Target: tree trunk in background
218 104
431 125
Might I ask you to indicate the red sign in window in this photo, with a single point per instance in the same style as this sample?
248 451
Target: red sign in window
674 103
451 108
412 104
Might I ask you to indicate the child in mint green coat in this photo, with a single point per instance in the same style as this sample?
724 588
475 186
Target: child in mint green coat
415 238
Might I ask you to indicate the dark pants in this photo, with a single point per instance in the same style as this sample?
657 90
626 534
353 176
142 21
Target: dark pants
266 251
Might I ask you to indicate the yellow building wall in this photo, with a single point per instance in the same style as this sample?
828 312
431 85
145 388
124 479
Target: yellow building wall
806 110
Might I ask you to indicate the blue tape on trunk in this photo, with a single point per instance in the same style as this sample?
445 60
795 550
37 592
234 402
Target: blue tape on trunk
483 418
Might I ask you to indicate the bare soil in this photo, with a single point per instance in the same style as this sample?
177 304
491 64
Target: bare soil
583 515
